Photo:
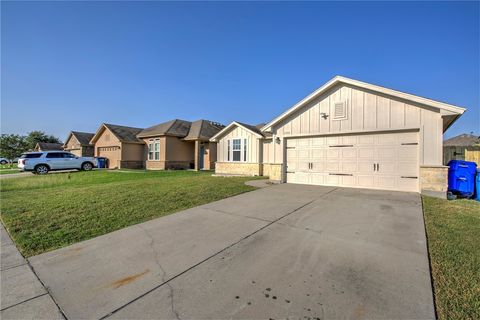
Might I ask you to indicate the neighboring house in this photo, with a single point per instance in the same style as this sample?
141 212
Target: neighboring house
46 146
120 145
180 144
462 147
79 144
348 134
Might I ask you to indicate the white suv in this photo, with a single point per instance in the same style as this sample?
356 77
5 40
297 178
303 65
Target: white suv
42 162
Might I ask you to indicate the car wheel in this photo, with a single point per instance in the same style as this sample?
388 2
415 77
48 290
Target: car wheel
3 162
87 166
42 169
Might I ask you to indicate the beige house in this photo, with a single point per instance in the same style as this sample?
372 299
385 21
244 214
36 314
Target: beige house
120 145
46 146
348 134
79 144
180 144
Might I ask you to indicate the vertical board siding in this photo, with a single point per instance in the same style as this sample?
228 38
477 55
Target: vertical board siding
253 146
366 111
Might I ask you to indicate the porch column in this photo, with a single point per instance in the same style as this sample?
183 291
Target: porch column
197 154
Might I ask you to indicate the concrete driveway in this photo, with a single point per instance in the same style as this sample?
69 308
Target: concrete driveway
284 251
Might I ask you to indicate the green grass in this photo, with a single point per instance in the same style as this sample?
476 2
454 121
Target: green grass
453 233
9 171
43 213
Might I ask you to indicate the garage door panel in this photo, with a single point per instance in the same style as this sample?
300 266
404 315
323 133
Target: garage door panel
379 161
348 166
349 153
318 178
333 153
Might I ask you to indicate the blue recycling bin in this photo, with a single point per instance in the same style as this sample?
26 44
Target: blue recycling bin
101 162
461 177
477 186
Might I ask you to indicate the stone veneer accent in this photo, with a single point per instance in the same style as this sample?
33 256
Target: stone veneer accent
434 180
168 165
132 164
273 171
240 168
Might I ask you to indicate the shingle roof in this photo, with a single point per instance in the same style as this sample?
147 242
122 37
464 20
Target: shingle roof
251 127
49 146
463 140
174 127
124 134
200 129
83 137
203 130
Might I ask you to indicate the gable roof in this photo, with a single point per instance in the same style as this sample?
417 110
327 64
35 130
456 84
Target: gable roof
123 133
44 146
253 129
203 130
82 137
463 140
446 109
174 127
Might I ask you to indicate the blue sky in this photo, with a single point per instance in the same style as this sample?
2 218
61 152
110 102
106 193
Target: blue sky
72 65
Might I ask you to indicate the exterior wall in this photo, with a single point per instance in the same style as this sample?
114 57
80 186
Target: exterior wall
273 171
366 112
114 154
434 180
133 156
253 145
210 156
174 154
238 168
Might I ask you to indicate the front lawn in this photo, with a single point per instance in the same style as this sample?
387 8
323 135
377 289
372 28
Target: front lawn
48 212
453 234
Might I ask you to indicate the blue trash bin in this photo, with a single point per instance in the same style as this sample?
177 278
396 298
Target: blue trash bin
477 186
101 162
461 177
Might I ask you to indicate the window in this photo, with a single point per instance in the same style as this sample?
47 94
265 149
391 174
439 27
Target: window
54 155
30 155
69 155
154 149
236 149
340 111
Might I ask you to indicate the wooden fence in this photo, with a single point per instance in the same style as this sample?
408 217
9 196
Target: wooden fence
461 153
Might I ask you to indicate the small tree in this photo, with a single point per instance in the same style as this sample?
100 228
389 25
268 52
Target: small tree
35 137
12 146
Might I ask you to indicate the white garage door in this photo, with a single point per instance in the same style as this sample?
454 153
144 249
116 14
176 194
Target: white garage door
377 161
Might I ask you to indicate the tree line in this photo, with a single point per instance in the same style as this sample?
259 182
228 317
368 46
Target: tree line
13 145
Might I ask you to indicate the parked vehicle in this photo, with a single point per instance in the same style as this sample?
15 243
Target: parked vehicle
3 161
45 161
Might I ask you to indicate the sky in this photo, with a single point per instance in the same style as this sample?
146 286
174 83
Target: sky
73 65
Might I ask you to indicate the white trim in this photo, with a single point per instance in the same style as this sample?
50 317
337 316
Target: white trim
449 108
242 150
215 138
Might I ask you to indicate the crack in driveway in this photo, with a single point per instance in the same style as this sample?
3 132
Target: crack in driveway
164 273
211 256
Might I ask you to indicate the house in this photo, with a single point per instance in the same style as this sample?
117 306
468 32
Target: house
462 147
347 133
46 146
120 145
181 144
79 144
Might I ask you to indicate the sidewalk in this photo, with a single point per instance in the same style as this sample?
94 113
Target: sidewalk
22 294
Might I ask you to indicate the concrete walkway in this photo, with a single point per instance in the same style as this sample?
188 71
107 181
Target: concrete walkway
22 294
285 251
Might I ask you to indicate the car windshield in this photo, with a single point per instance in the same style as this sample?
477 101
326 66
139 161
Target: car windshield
30 155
